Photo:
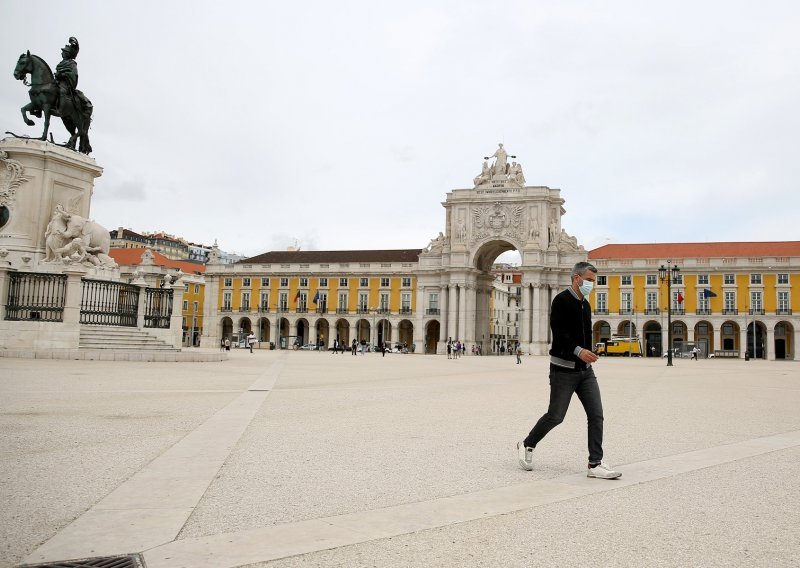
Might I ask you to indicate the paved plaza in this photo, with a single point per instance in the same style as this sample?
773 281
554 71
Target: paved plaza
288 459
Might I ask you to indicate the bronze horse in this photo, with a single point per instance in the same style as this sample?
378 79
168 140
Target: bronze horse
45 98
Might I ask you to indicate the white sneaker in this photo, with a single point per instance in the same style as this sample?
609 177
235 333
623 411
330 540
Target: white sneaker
525 456
603 471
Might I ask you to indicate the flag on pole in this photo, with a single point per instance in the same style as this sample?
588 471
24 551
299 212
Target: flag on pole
709 294
680 298
316 297
296 296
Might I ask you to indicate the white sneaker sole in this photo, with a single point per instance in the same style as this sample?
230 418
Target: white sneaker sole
522 463
616 475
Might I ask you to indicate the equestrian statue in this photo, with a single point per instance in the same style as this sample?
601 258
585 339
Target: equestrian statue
56 95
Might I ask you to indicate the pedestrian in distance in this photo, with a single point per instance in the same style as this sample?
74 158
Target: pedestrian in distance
354 346
251 339
519 354
449 350
571 372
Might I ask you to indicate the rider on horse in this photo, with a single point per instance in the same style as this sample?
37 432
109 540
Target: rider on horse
67 77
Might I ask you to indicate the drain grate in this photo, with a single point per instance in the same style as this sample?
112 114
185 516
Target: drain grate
129 561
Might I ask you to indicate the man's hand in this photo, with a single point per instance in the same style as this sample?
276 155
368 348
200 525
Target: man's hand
587 356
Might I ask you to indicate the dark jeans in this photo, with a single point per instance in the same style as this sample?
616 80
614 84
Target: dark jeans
562 385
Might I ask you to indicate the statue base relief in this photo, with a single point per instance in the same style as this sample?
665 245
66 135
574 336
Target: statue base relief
35 177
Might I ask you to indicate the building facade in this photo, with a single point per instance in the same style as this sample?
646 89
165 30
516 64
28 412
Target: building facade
729 299
294 298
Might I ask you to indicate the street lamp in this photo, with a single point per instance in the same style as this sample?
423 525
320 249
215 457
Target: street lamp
670 274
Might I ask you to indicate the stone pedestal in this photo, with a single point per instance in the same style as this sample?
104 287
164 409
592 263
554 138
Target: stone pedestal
35 176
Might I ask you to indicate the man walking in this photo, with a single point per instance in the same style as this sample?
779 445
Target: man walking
571 359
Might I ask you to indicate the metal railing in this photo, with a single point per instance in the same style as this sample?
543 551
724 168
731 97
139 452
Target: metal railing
341 310
36 297
405 311
626 312
157 307
301 310
109 303
703 312
244 309
651 311
783 312
383 310
322 309
757 312
729 311
601 312
432 312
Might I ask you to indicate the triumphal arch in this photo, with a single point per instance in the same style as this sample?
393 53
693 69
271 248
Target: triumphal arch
498 214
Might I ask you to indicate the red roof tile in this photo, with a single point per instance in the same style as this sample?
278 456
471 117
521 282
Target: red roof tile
133 257
697 250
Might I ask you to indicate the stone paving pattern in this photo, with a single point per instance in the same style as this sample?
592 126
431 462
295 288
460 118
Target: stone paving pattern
353 438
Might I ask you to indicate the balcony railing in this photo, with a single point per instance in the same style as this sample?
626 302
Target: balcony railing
405 311
729 311
383 310
341 310
283 309
244 309
301 310
756 312
678 311
362 310
225 309
601 312
432 312
703 312
322 309
626 312
783 312
263 309
652 311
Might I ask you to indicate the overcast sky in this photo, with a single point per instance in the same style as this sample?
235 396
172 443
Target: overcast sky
344 124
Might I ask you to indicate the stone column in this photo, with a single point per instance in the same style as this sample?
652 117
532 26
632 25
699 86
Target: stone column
717 339
462 313
536 317
5 280
419 322
452 312
443 303
176 321
470 314
770 346
525 320
743 342
792 349
72 300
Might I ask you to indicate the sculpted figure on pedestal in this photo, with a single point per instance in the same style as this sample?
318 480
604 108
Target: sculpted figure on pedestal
72 238
568 243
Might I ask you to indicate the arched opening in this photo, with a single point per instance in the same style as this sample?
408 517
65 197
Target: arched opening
601 332
652 338
431 336
729 336
678 334
406 333
263 330
362 331
784 340
756 342
283 333
323 333
704 337
626 328
301 338
226 326
245 326
499 323
343 331
383 330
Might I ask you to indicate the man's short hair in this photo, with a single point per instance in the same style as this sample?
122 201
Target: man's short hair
582 267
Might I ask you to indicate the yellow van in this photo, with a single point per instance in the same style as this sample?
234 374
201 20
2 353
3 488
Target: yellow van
620 346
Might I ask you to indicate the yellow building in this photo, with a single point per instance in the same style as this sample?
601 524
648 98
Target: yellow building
299 298
727 298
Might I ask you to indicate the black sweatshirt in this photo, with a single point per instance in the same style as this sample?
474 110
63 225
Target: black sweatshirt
571 322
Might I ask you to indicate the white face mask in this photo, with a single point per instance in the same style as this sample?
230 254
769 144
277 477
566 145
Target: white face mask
586 287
